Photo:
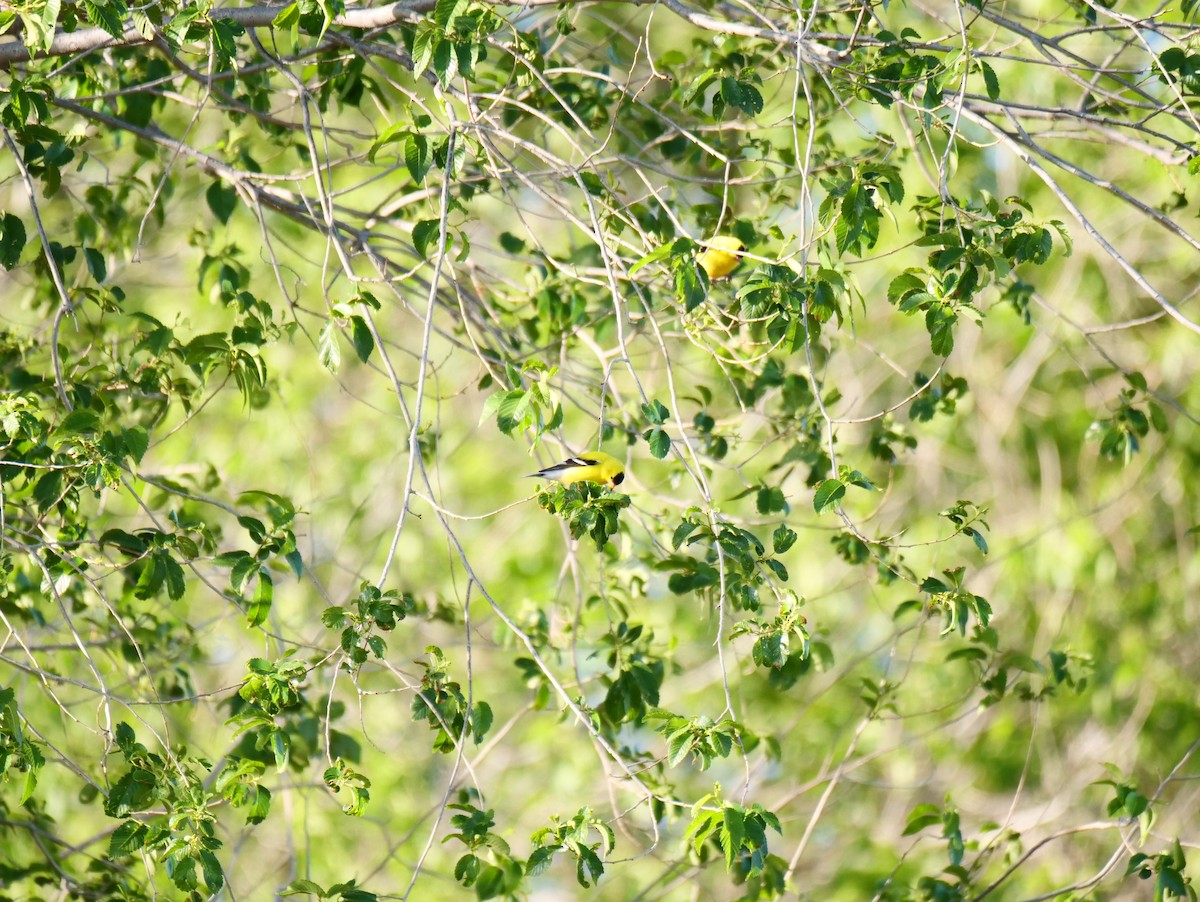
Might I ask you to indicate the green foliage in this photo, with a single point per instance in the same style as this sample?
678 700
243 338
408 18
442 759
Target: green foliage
1129 802
350 315
488 866
1120 434
778 642
441 702
520 409
1180 66
339 892
18 754
735 560
936 397
452 41
273 686
374 611
240 782
967 518
1166 868
183 839
930 815
269 368
277 541
342 776
739 832
634 677
586 508
956 603
656 436
699 739
571 837
853 205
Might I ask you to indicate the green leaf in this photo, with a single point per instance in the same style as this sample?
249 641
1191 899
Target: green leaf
48 489
173 575
733 833
777 568
151 579
417 158
395 133
940 320
127 839
922 816
978 539
688 286
422 50
364 341
481 721
445 64
990 82
214 876
12 240
424 234
698 86
305 887
287 18
40 25
95 264
590 868
136 441
1158 418
260 607
184 875
490 883
260 807
281 749
296 562
659 253
222 201
127 542
703 825
80 421
108 16
132 792
444 11
245 566
682 531
679 746
511 410
659 441
540 860
656 413
770 499
781 540
328 351
828 494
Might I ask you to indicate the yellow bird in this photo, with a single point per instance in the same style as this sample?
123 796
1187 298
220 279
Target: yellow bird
591 466
721 257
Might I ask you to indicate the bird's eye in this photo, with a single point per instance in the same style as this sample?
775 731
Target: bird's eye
618 479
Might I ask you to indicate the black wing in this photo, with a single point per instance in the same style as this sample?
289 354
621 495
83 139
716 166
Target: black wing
570 463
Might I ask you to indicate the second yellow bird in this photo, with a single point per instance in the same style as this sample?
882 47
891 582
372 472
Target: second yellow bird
721 256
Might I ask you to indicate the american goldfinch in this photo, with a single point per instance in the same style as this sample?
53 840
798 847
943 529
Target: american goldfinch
720 258
592 466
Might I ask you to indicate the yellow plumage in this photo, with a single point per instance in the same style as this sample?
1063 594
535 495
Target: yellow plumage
721 257
591 466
